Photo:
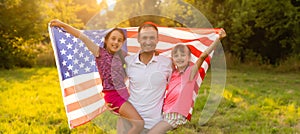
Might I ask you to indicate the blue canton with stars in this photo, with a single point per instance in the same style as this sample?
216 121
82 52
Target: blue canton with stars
73 56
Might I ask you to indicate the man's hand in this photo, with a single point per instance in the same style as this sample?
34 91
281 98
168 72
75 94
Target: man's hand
111 109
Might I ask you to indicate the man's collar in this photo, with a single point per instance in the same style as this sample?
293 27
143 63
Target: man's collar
137 59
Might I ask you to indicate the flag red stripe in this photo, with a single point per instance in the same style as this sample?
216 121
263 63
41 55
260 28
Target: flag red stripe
163 50
202 71
84 119
194 50
85 102
133 49
197 53
189 117
204 40
208 60
82 86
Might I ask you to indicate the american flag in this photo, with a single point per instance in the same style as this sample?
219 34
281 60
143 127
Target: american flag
197 39
79 78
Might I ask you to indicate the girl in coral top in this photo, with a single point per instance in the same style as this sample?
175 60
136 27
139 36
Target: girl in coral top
179 95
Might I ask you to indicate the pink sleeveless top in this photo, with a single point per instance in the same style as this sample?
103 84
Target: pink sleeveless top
179 95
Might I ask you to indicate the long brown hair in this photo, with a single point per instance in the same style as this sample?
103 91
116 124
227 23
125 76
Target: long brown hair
109 33
120 52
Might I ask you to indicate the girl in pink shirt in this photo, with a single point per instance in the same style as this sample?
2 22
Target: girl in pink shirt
178 100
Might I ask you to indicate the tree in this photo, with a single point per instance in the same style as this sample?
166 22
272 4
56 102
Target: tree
257 28
23 25
135 12
88 9
19 29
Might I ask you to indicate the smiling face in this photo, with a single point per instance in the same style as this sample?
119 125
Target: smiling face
181 56
114 41
148 39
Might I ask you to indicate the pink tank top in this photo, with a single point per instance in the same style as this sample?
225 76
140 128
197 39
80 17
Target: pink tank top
179 95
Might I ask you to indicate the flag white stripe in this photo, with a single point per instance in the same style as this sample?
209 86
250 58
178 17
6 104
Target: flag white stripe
199 80
85 110
166 53
80 79
131 53
204 65
82 95
197 44
180 34
194 95
191 110
165 45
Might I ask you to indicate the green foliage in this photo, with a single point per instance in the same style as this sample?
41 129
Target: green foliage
23 24
120 14
262 28
88 9
19 30
163 13
46 56
291 63
255 30
64 10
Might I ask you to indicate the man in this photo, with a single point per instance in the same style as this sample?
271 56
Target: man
148 75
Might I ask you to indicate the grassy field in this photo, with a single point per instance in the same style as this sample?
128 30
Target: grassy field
253 102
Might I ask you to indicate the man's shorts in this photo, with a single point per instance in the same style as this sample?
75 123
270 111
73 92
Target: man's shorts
174 119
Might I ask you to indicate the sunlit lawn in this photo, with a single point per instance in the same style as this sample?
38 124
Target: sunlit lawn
254 102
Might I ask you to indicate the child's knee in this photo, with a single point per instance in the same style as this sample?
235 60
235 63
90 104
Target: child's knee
139 123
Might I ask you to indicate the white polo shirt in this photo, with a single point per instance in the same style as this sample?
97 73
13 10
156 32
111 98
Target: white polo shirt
147 84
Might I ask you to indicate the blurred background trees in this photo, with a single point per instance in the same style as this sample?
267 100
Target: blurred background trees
258 30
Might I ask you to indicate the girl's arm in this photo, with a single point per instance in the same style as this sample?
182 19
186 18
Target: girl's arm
205 54
75 32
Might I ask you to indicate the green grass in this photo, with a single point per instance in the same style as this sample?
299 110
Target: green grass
254 102
31 102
